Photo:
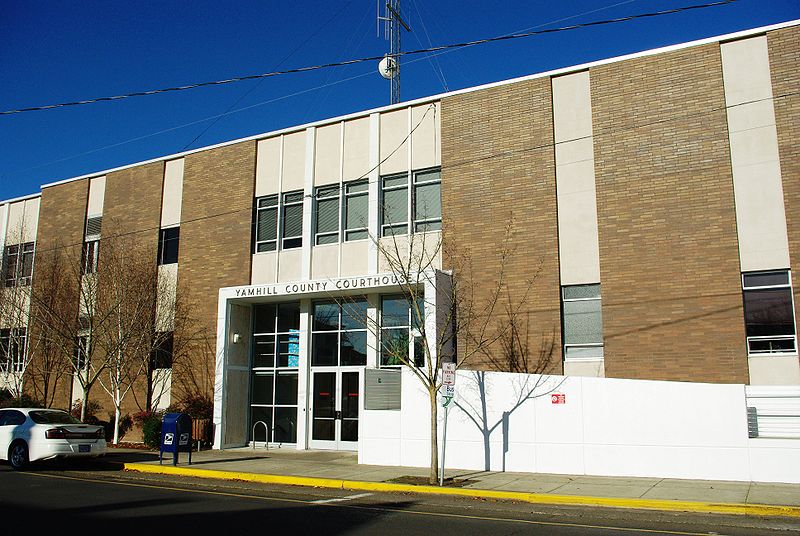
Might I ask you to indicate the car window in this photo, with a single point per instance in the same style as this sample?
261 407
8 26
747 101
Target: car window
2 417
52 417
13 418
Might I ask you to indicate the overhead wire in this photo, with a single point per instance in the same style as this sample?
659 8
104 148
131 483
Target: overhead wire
503 154
371 58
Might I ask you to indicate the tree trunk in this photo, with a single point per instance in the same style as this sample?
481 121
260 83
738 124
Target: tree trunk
434 476
84 402
116 422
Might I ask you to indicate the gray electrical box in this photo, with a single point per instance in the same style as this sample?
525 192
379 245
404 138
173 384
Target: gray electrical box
382 389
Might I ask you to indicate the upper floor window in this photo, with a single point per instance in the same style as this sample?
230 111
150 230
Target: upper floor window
356 210
326 215
268 226
769 312
12 349
339 333
168 245
424 202
583 322
18 264
90 257
161 356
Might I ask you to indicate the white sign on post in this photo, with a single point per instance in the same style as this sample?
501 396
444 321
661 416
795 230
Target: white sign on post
448 380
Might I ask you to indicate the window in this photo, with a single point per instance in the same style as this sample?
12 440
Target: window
161 356
583 322
90 257
12 349
339 333
356 210
273 398
168 245
18 264
267 222
400 339
394 205
427 201
327 215
80 356
768 313
292 220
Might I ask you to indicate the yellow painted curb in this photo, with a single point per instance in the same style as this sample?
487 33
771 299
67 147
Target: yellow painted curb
535 498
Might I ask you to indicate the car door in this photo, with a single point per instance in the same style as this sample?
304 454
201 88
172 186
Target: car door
6 432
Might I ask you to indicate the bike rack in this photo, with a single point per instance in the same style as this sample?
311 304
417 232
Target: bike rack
266 434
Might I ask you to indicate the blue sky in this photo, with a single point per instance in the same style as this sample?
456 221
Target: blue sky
57 51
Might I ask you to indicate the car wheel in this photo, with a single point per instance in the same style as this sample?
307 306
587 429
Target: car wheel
18 455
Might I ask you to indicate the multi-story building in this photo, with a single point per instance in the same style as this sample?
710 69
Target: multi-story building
653 200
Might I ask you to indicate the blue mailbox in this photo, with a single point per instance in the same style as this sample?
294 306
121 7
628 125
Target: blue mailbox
176 436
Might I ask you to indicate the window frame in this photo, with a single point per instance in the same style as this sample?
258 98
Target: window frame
18 264
162 245
599 347
90 256
350 194
382 209
293 241
340 330
13 341
414 333
326 196
417 184
769 338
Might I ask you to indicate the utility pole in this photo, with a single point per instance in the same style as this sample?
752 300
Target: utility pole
389 66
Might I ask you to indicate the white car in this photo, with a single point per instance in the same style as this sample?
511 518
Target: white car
30 434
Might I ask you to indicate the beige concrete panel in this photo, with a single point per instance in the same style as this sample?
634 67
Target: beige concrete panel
745 68
433 249
575 151
572 108
591 369
294 162
751 116
327 154
419 252
237 383
325 261
165 306
774 370
23 221
754 146
356 149
172 194
290 265
264 268
393 134
97 194
16 303
355 257
162 388
425 140
268 167
239 322
760 217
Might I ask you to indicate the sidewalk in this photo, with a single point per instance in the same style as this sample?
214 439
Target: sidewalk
332 469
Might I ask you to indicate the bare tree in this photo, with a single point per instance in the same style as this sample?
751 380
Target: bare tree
467 326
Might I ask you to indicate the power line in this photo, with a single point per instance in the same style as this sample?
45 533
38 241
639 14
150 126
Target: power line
504 154
371 58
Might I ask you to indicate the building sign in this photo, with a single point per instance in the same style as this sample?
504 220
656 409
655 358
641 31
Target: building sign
558 398
448 380
328 285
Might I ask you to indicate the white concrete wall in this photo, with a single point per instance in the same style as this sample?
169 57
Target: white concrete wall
606 427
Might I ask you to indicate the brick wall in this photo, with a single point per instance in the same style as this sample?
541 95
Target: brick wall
218 189
672 303
784 58
62 218
497 165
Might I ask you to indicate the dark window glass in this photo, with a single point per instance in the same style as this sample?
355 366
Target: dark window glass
286 389
285 425
288 316
162 353
262 389
267 223
168 242
264 318
768 312
10 263
327 215
14 418
326 316
356 210
52 417
353 348
292 220
324 348
354 314
766 279
264 351
419 352
90 256
394 311
394 346
264 415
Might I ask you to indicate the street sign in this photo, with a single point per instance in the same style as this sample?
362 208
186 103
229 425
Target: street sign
448 373
558 398
448 391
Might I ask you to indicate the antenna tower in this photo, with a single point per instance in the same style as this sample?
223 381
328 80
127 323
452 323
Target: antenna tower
389 67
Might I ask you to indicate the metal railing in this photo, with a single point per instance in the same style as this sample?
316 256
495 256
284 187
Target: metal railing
266 434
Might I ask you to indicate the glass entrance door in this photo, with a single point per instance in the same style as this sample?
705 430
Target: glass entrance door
334 409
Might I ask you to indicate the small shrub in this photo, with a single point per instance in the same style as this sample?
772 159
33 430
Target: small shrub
25 401
92 407
198 407
150 421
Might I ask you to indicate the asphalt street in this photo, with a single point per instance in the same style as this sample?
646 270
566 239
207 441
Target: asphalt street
70 499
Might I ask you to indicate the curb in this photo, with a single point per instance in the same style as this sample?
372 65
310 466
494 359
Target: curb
534 498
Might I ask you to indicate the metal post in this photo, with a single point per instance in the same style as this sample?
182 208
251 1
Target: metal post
444 439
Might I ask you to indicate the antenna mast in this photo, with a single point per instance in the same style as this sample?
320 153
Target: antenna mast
390 65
